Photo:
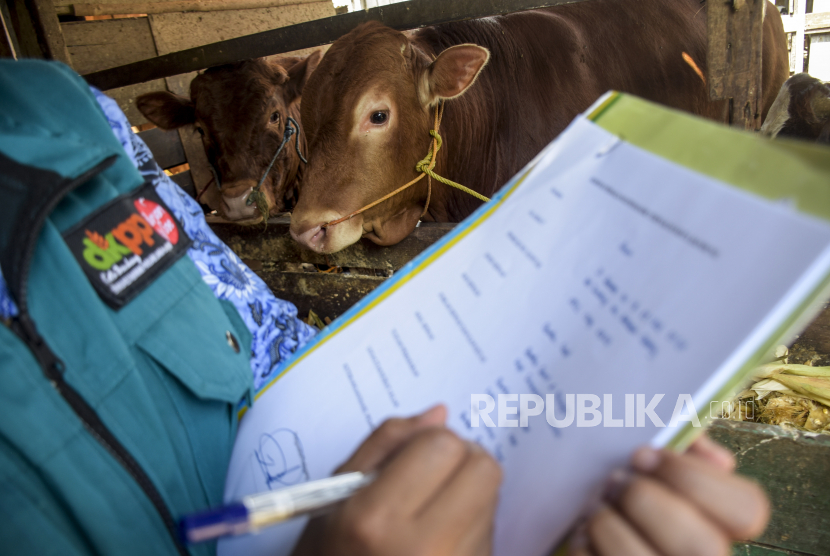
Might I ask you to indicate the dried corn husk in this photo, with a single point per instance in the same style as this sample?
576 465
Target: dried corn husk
818 419
795 380
314 320
786 394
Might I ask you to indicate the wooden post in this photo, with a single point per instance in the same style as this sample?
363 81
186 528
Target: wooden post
38 30
7 41
735 40
800 13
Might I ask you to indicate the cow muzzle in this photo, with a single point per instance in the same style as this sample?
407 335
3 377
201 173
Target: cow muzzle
314 235
235 205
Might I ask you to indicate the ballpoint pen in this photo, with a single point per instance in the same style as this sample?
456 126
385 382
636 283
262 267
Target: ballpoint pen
257 511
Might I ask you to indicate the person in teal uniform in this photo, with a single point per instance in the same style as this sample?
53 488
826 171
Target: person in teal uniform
131 334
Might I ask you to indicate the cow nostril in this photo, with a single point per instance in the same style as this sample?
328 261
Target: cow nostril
319 236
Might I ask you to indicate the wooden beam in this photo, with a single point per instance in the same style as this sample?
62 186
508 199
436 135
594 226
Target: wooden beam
735 37
817 23
180 31
401 16
182 6
109 43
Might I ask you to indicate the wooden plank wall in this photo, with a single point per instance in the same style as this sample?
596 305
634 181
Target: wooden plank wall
103 44
95 45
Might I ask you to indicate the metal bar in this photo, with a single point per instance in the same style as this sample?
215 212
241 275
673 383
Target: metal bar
401 16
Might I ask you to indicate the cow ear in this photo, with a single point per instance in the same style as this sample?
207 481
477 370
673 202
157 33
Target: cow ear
454 71
166 110
288 61
298 75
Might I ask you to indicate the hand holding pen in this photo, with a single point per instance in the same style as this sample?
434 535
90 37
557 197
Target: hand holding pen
434 494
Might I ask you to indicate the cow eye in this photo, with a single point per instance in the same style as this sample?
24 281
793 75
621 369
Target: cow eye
379 117
201 131
275 117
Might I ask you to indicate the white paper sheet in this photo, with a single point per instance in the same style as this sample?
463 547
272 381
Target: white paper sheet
607 271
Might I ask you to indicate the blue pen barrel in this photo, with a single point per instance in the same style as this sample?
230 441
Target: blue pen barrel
258 511
211 524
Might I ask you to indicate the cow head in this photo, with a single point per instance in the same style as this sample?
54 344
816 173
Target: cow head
801 110
241 111
367 112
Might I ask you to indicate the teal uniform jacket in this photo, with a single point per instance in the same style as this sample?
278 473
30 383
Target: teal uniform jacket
159 372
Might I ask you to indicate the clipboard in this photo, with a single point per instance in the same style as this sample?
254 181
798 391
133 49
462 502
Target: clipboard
609 248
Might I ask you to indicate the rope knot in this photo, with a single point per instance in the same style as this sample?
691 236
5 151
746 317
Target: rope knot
428 163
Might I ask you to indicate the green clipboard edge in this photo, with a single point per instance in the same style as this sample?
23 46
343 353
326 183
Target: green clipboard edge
777 170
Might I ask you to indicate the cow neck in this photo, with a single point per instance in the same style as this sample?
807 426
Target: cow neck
426 169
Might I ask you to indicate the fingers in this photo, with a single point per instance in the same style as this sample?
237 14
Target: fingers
434 494
736 505
707 449
676 504
670 523
389 437
416 473
464 508
614 536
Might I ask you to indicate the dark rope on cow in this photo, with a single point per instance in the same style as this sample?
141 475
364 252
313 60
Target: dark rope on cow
215 177
257 196
204 189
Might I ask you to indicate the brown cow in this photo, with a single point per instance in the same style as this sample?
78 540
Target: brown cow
369 106
801 110
241 111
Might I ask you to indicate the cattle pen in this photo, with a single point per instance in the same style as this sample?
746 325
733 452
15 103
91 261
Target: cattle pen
128 47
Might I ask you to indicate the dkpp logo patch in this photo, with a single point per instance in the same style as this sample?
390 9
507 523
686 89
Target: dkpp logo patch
126 244
125 239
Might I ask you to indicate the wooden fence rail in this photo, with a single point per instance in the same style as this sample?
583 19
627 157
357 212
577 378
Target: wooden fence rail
403 16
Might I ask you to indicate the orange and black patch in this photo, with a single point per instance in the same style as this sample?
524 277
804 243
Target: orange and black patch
126 244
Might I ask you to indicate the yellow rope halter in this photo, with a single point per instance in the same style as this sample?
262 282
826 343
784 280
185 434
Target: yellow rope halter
425 168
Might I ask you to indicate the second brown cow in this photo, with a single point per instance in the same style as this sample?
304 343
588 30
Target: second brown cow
241 111
368 108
